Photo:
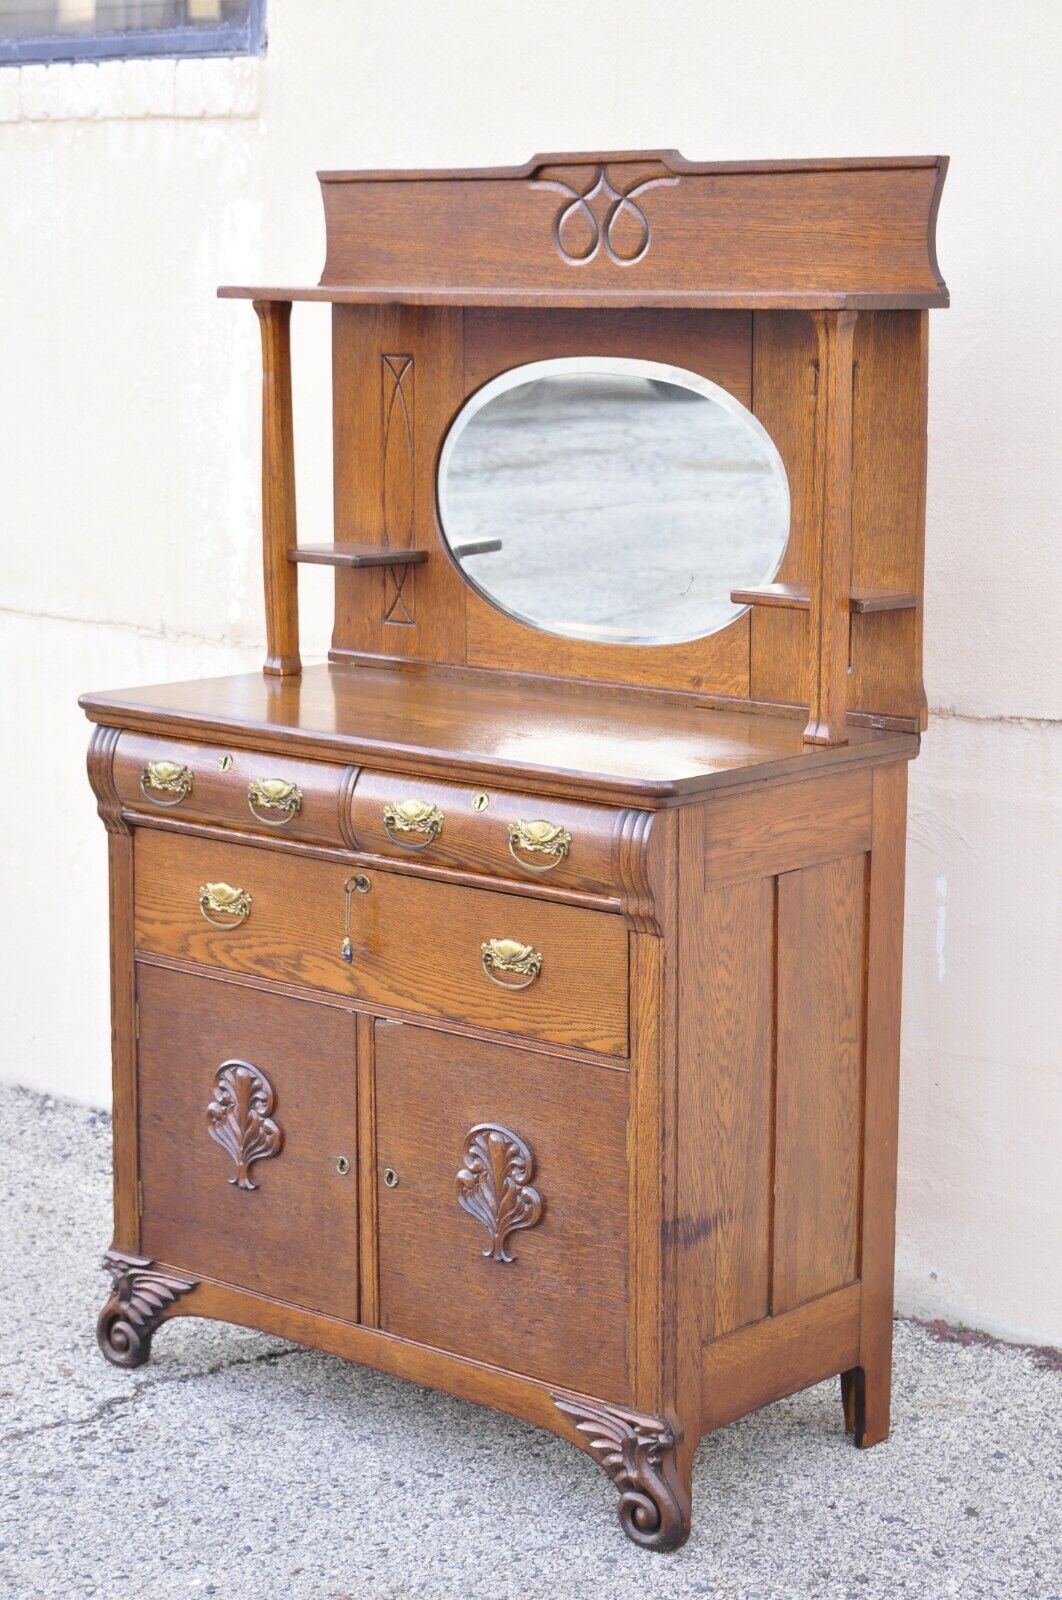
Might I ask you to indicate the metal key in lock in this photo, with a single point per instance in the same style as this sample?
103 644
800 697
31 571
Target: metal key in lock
359 884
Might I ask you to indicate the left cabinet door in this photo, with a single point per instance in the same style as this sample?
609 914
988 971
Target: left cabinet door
248 1138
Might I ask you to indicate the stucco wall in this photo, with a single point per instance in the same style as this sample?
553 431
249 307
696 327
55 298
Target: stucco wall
128 451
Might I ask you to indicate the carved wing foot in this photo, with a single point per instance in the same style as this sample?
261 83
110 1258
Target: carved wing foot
134 1307
638 1453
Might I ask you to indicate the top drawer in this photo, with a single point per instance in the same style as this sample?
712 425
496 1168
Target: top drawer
485 830
271 795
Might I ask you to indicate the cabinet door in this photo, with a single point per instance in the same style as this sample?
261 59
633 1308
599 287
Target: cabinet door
248 1138
502 1205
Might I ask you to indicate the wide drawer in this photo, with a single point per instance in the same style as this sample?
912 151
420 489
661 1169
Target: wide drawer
496 961
486 830
233 788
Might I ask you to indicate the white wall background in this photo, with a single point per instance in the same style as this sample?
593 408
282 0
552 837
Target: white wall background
129 474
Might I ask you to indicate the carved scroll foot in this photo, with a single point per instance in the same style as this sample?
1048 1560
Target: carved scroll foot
134 1307
638 1453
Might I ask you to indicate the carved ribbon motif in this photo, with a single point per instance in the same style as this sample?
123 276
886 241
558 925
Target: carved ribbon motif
638 1453
493 1185
621 205
238 1117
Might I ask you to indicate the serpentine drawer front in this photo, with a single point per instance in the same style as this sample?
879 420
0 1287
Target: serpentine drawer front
502 1205
271 795
246 1106
507 835
499 961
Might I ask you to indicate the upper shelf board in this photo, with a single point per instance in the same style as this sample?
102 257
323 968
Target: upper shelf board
643 229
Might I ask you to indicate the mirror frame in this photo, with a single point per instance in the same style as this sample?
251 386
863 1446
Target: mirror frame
610 366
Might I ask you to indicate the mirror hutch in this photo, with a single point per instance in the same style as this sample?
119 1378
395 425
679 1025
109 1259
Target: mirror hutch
512 1003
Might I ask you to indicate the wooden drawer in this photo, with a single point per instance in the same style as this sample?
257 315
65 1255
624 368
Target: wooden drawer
416 944
512 836
248 1139
471 1137
210 783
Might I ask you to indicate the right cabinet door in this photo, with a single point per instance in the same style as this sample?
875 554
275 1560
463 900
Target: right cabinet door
502 1205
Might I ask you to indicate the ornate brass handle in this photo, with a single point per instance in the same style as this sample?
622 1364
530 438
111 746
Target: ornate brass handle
412 816
166 777
274 794
223 900
539 838
508 955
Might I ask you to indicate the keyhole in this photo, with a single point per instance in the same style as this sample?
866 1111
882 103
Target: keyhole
391 1177
480 802
342 1166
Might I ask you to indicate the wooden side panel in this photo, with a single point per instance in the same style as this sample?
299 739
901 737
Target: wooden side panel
396 380
779 828
780 1355
888 508
785 378
821 944
726 1009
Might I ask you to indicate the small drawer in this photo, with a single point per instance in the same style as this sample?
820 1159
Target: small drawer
498 961
267 794
485 830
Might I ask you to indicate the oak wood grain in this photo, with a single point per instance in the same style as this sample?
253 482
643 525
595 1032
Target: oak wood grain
780 1355
279 528
295 1235
593 743
819 1080
558 1310
220 780
416 944
831 576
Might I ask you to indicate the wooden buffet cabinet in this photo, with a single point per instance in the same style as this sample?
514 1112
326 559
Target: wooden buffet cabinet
515 1008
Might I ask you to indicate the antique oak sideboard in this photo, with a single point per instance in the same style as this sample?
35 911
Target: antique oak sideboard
512 1003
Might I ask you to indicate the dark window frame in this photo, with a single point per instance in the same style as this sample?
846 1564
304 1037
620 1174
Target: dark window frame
222 39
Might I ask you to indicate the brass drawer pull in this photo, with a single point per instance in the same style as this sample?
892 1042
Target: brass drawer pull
274 794
539 838
221 899
166 777
412 816
507 955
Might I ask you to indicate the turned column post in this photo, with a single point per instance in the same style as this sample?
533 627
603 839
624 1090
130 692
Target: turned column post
278 491
829 620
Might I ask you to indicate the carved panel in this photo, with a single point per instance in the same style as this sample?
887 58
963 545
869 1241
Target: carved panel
605 213
638 1453
397 376
139 1296
238 1118
494 1185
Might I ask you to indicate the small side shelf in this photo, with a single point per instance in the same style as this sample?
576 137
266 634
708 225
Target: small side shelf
355 555
793 597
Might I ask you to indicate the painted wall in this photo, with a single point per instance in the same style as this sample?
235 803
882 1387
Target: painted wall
128 460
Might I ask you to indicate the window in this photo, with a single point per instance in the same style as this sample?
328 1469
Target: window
95 30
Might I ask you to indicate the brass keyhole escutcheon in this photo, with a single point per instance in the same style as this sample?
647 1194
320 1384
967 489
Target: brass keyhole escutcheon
390 1177
480 801
225 763
342 1166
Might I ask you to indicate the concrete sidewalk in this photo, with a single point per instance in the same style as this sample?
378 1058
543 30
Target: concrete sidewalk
240 1467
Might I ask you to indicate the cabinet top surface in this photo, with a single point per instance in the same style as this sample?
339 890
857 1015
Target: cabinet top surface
547 735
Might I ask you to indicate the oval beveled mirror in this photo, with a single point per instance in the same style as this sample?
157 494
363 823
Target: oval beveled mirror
613 499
